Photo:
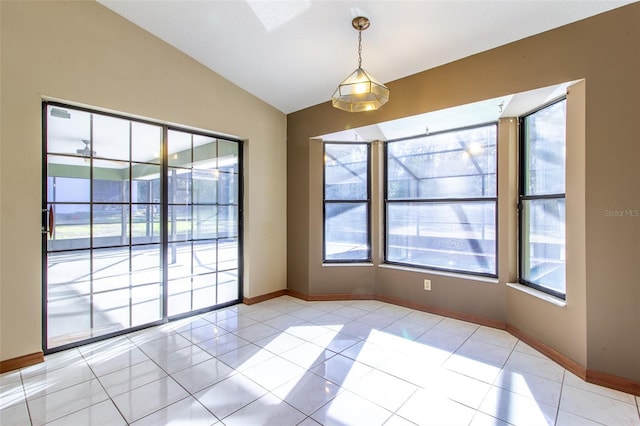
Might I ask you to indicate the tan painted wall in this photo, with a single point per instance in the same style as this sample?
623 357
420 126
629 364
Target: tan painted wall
84 53
600 326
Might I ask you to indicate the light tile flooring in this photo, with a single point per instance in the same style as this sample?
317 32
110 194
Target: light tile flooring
289 362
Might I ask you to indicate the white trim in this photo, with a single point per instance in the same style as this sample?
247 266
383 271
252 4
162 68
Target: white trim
330 265
539 294
441 273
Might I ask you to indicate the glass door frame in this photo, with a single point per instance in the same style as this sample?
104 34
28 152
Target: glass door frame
164 225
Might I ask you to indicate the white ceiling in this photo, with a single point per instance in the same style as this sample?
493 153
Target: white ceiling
293 53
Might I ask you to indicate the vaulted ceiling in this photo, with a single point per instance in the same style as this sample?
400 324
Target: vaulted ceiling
293 53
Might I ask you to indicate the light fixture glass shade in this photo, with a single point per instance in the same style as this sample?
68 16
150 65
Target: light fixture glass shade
360 92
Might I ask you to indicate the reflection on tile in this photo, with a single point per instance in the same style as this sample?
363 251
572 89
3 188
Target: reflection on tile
531 386
11 394
461 328
599 408
51 381
307 355
222 344
66 401
307 393
267 410
482 419
425 408
571 379
181 359
517 409
200 376
102 414
65 359
342 371
350 409
396 420
494 337
14 415
246 357
230 395
543 367
274 372
10 377
129 378
187 411
387 391
569 419
149 398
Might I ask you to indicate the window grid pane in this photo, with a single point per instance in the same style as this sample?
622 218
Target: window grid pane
346 203
441 201
542 199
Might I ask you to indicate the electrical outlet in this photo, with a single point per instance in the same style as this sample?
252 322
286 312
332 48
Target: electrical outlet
427 285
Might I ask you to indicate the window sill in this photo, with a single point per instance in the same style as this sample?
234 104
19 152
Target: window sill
343 264
441 273
539 294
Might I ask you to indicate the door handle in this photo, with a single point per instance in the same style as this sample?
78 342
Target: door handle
51 221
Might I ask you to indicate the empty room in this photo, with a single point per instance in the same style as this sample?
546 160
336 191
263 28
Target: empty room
247 212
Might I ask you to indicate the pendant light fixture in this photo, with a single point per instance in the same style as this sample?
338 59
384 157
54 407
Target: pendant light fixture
360 91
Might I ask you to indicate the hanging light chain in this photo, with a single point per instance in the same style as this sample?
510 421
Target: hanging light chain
359 48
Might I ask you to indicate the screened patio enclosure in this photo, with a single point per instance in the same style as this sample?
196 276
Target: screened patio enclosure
441 197
141 224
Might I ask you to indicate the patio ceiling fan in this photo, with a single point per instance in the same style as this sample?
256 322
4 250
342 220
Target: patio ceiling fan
86 151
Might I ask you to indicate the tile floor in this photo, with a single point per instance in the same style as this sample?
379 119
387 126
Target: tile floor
290 362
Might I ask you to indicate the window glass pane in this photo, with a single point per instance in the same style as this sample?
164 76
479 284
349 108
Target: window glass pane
146 266
179 260
179 223
146 304
179 296
68 301
204 256
456 164
545 135
179 186
453 236
227 254
71 227
111 311
179 149
204 221
68 179
228 156
205 184
346 171
227 221
345 231
204 291
110 137
110 225
543 245
110 269
67 129
110 182
145 143
227 188
204 152
228 286
146 183
145 222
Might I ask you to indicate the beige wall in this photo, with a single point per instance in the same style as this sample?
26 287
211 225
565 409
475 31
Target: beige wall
83 53
600 325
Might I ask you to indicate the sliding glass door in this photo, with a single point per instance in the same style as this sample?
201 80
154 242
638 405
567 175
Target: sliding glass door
140 224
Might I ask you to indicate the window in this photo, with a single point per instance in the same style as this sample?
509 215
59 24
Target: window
542 199
346 203
440 201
